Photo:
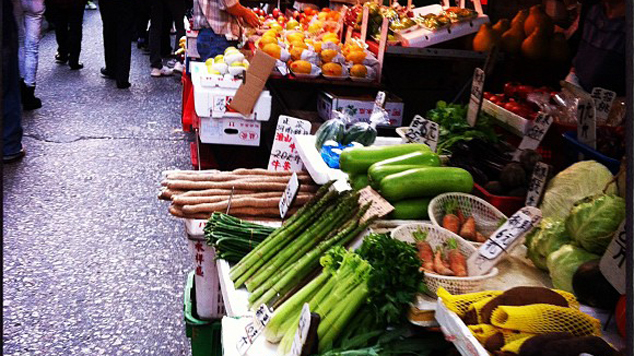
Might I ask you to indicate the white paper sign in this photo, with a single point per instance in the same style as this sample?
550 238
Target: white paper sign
603 100
253 329
302 331
537 184
534 135
475 99
613 264
587 122
284 154
504 239
289 195
423 131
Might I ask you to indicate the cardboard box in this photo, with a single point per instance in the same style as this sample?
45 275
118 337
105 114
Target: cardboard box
360 105
230 131
248 93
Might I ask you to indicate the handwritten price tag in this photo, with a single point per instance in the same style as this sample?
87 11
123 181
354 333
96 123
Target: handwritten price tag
302 331
603 100
253 329
612 264
537 184
284 155
534 135
380 207
289 195
423 131
587 122
475 99
504 239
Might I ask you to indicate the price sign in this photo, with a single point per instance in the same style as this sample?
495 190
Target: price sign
504 239
537 184
302 331
613 264
423 131
587 122
380 207
253 329
603 100
289 194
475 99
284 155
534 135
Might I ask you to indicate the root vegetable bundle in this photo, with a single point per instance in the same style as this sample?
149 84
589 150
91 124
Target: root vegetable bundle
234 238
256 192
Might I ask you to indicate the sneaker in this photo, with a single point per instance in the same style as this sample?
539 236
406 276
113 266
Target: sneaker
14 157
161 72
106 73
178 67
90 5
171 63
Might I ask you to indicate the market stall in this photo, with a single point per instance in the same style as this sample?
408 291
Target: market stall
489 223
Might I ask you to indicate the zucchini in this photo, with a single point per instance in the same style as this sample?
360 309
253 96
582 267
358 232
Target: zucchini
358 181
425 182
429 159
358 159
411 209
376 174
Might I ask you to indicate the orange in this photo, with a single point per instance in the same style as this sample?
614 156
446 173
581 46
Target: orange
294 37
299 44
296 53
359 70
332 69
328 54
301 67
356 57
273 50
266 40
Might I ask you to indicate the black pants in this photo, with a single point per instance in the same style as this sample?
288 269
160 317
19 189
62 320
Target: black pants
142 15
160 11
118 25
68 22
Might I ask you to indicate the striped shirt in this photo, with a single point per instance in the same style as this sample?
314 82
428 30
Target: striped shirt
212 14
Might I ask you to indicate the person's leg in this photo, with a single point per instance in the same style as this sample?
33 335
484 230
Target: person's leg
75 24
125 28
177 9
33 15
108 17
156 27
18 12
166 27
11 106
60 21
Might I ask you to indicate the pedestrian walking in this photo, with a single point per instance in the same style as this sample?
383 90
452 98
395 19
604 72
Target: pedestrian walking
118 27
28 16
11 112
68 18
160 19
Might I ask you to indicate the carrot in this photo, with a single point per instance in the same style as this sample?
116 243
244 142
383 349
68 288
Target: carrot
451 222
439 264
425 252
461 216
480 237
468 230
457 261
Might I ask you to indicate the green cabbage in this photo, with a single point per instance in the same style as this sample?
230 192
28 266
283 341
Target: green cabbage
581 180
593 221
563 264
546 239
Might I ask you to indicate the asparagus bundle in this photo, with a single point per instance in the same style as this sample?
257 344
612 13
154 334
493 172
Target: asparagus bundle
233 238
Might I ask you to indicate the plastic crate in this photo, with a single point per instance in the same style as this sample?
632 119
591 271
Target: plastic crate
205 336
507 205
575 148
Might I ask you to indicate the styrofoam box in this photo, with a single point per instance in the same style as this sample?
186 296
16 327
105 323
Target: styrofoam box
423 37
230 131
517 124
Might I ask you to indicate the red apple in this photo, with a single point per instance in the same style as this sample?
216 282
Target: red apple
276 12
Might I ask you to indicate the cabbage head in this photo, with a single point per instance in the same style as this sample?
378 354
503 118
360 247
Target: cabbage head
582 179
546 239
593 221
563 264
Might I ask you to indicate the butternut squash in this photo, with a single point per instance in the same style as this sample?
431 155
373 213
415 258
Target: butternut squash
485 39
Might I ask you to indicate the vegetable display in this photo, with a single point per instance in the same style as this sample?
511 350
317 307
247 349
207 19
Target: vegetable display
593 221
425 182
461 223
233 238
357 160
253 192
446 260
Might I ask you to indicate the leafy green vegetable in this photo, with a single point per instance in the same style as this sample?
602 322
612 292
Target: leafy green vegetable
563 264
593 221
546 239
395 277
581 180
454 127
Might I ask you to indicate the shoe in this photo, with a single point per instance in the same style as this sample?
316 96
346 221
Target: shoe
106 74
161 72
90 5
76 66
14 157
141 43
60 59
123 85
171 62
29 100
178 67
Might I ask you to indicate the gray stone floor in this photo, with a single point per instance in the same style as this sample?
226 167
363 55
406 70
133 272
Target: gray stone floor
93 263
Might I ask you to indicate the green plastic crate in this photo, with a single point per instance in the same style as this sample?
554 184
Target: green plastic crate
205 335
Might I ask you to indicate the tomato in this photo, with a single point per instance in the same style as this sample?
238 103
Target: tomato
496 99
276 12
511 106
620 313
510 88
523 91
487 95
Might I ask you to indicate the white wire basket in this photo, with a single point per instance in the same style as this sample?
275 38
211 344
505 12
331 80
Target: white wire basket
438 236
487 217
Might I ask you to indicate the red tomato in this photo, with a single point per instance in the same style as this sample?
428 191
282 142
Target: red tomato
496 99
620 313
524 90
487 95
511 106
276 12
510 88
295 14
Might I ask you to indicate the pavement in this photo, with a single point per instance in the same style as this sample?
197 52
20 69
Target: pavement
93 263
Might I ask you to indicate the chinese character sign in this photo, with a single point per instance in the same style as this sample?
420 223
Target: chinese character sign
537 184
284 154
423 131
613 264
603 100
475 99
587 122
534 135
